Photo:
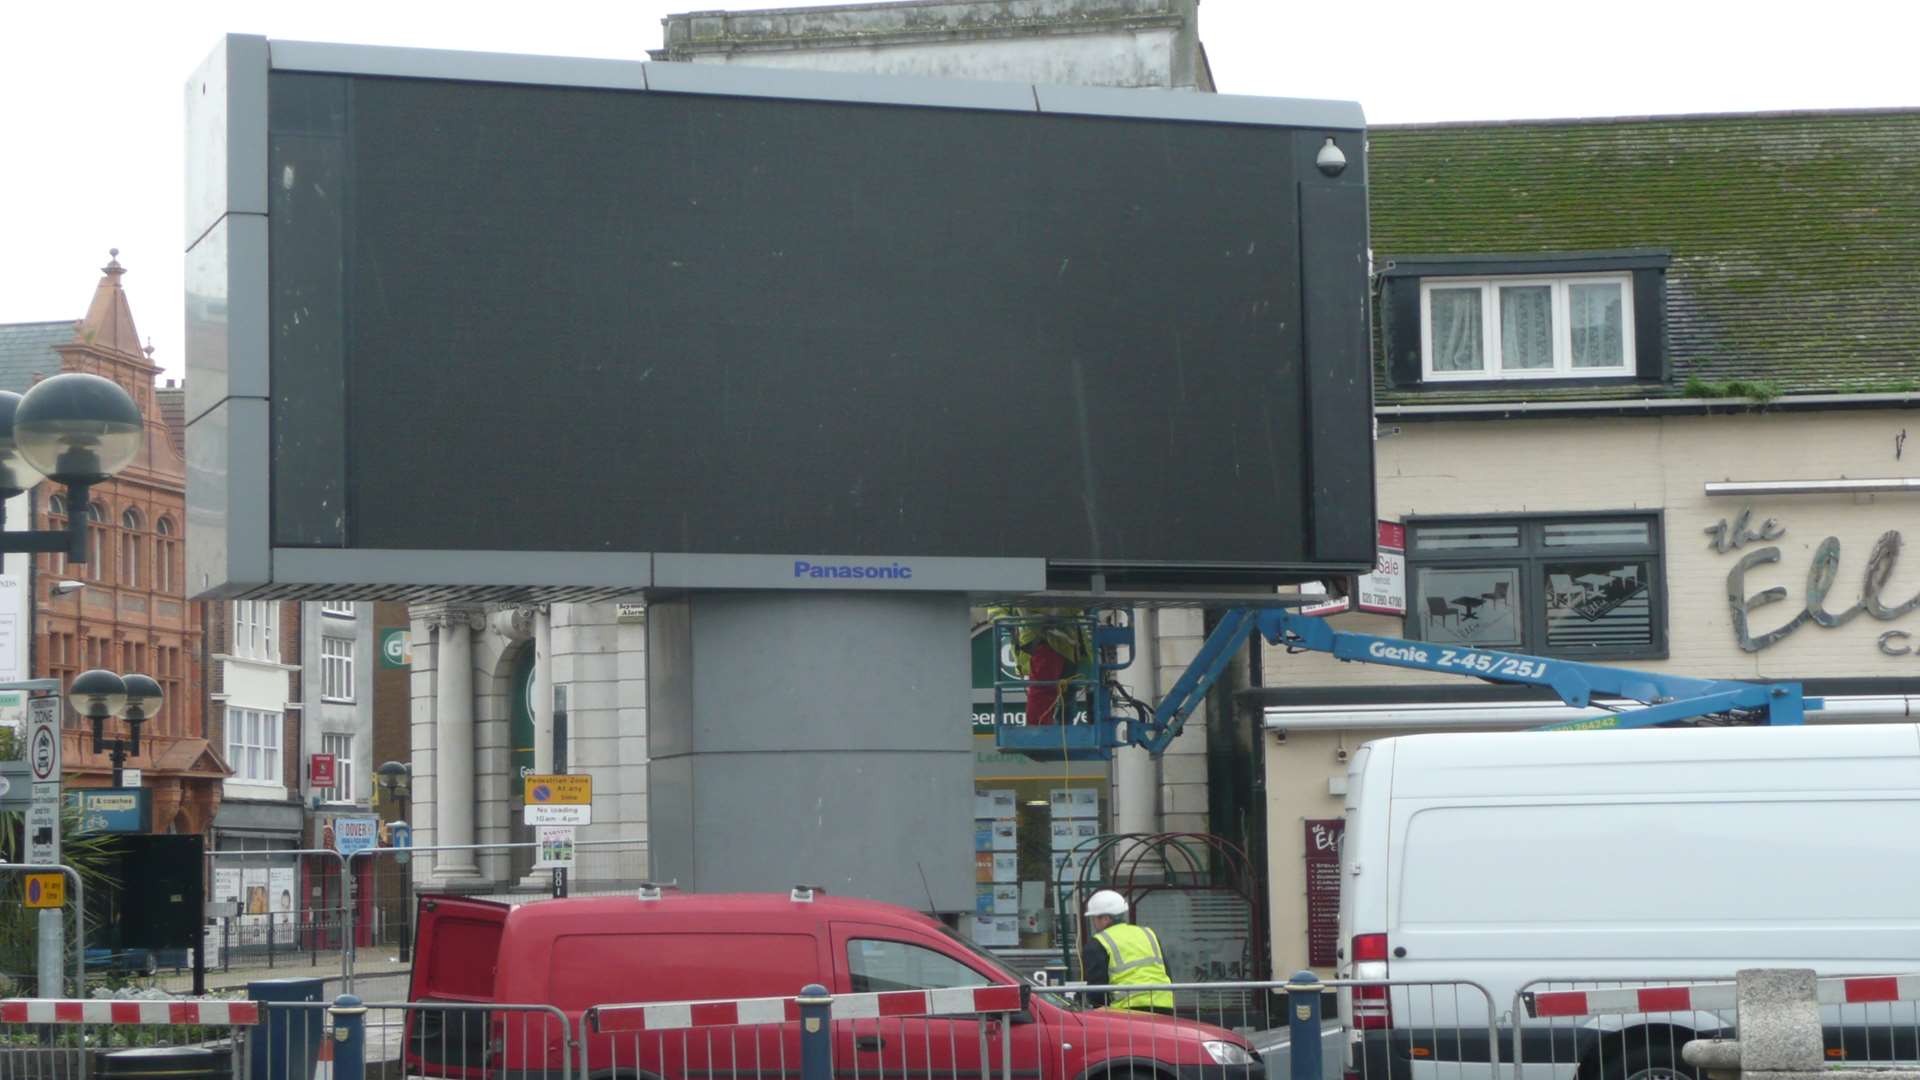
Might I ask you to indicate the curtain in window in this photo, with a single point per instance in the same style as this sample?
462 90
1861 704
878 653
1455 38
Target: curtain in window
1456 330
1526 327
1595 317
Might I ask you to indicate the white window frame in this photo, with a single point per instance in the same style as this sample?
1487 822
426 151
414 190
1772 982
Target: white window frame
256 630
336 668
341 747
1562 329
342 609
253 745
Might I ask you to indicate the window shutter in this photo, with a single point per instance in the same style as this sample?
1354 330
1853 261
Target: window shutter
1650 325
1400 330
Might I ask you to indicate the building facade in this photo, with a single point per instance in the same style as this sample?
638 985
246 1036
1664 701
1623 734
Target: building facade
131 613
256 707
1644 393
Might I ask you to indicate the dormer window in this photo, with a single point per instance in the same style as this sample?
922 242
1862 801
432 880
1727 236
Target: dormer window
1527 327
1589 317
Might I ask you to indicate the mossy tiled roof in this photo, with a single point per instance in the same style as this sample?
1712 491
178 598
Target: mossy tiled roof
1794 237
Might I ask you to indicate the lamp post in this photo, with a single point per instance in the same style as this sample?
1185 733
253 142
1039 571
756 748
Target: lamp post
396 783
100 696
75 429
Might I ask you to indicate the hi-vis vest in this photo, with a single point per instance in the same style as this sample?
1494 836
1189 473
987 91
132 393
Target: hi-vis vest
1134 959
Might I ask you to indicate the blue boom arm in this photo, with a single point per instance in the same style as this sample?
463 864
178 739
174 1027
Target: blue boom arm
1665 698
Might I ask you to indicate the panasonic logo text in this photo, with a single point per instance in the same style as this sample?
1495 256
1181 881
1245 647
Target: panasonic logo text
804 569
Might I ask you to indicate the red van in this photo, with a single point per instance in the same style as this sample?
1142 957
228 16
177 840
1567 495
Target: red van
576 953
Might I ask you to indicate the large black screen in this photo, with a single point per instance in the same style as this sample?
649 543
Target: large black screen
526 318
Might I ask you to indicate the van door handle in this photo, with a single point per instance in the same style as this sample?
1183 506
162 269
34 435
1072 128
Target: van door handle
869 1042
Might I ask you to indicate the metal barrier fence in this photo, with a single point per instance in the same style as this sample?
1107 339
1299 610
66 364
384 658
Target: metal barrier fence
964 1033
55 1039
1643 1024
1438 1030
401 1039
1558 1043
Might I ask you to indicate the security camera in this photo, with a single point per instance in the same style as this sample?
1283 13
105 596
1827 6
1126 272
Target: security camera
62 588
1340 754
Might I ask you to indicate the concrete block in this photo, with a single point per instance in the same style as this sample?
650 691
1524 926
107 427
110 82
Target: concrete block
596 667
632 693
1713 1055
633 652
1184 769
1185 799
593 754
584 696
1779 1021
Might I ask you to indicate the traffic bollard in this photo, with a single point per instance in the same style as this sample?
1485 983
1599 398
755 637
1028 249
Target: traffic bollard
1303 1025
347 1024
816 1038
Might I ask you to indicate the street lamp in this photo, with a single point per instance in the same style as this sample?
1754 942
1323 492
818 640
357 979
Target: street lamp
75 429
101 695
395 780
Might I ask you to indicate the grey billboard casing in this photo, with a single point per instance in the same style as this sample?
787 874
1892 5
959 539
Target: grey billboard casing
541 328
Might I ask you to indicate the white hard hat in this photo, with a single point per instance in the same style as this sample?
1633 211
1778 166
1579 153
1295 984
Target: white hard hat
1106 902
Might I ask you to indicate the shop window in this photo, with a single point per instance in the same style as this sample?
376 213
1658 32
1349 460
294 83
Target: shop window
1588 586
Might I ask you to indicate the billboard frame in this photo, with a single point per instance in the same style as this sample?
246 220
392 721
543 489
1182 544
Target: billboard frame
230 550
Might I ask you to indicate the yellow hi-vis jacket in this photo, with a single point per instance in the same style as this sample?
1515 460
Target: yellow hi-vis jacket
1134 958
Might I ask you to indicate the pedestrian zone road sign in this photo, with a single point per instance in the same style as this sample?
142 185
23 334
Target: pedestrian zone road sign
552 788
46 890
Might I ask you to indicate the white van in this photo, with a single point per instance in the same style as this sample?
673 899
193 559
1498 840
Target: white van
1622 856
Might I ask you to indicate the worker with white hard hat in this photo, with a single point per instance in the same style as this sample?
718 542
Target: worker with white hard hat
1127 955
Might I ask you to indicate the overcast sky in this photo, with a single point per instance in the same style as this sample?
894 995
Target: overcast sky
91 115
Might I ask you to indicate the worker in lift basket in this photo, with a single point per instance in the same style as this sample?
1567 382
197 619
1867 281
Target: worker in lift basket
1047 650
1127 955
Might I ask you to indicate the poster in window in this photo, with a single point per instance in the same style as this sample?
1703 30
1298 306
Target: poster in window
1005 835
280 894
983 867
1075 802
1479 607
996 931
1598 604
1006 866
1006 898
994 803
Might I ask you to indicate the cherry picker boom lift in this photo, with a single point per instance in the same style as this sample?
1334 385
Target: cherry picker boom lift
1094 700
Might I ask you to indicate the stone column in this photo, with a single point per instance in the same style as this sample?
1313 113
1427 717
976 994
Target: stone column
542 689
453 758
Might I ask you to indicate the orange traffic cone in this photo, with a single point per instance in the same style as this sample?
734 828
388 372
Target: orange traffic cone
323 1065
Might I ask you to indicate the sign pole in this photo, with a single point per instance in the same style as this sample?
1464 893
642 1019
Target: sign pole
43 830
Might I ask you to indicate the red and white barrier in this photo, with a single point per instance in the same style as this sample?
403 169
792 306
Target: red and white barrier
1713 997
683 1015
79 1011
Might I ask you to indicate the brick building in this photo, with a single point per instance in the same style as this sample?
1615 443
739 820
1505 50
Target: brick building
133 614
